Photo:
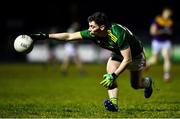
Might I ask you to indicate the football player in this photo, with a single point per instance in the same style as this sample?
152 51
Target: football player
161 32
127 53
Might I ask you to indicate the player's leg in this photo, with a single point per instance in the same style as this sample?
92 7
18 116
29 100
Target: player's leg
140 82
78 63
136 79
136 68
65 65
166 53
68 53
52 57
112 102
156 48
152 60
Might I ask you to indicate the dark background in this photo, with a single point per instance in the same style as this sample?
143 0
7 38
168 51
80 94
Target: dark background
19 17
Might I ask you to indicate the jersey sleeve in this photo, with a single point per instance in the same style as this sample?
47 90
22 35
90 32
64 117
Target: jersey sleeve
124 45
122 41
86 34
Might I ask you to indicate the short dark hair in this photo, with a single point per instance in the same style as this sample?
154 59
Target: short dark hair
100 18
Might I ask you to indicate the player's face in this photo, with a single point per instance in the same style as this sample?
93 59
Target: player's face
94 28
167 13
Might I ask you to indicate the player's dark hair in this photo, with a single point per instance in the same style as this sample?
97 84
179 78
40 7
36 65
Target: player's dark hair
100 18
167 8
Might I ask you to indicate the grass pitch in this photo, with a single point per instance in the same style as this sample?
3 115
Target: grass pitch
37 91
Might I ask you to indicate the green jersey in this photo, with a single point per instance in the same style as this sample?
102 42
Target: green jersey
118 38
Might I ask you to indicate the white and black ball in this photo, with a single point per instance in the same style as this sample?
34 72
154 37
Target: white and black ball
23 44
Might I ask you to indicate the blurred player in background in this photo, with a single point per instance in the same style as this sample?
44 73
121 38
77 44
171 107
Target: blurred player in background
71 52
127 53
161 32
53 60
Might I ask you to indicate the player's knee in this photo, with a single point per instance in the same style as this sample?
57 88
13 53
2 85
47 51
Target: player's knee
134 82
113 86
135 85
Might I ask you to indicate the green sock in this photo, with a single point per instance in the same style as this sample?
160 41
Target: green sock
114 100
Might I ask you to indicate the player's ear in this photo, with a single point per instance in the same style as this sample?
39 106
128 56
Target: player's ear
102 27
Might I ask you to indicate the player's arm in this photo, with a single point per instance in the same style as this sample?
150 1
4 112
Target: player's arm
57 36
66 36
126 53
110 78
154 30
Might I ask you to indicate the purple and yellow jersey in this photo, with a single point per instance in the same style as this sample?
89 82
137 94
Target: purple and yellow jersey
165 25
118 38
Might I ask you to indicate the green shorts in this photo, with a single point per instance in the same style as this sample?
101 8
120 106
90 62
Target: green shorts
138 62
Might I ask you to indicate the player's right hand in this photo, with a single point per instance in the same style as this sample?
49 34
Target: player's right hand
39 36
108 80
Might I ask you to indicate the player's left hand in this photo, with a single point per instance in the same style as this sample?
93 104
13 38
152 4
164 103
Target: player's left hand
108 80
39 36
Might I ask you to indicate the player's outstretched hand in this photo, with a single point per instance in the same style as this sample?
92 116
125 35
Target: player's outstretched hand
108 80
39 36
